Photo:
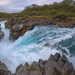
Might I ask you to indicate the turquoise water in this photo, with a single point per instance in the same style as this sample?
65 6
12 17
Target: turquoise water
36 44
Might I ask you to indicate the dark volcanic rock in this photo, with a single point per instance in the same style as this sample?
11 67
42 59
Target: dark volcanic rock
55 65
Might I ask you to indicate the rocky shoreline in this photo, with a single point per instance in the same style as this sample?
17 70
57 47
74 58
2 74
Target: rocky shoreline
55 65
19 26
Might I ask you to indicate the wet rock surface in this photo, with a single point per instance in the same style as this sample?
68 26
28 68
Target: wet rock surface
55 65
1 34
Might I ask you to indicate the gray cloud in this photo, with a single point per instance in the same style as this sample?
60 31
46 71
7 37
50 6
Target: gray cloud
11 6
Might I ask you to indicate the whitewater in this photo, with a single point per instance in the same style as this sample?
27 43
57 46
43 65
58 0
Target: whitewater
36 44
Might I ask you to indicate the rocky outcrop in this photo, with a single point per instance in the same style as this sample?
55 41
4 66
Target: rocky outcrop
18 30
18 26
55 65
3 69
1 34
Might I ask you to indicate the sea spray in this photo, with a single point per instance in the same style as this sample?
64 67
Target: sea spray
36 44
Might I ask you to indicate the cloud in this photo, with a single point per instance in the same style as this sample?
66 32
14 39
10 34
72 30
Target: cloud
4 2
11 6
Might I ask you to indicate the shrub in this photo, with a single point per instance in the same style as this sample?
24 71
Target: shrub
53 12
61 15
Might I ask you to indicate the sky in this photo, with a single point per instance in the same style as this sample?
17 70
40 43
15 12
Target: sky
12 6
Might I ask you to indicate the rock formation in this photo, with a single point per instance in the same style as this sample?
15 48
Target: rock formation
18 26
3 69
1 34
55 65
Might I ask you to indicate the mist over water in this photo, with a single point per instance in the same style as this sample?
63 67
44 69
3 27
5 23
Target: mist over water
36 44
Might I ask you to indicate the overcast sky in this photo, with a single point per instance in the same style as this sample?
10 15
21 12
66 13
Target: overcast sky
11 6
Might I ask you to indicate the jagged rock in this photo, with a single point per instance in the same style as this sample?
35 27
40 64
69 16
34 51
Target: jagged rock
21 70
41 61
34 65
57 55
3 69
53 58
52 66
63 59
26 64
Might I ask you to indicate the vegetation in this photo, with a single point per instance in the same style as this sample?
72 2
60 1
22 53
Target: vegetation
63 10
